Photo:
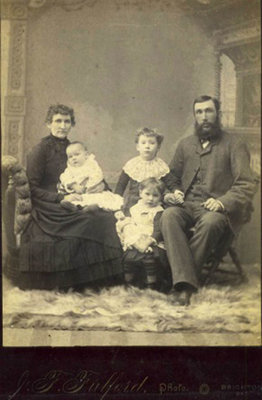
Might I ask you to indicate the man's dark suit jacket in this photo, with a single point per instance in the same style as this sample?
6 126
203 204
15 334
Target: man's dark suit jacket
225 172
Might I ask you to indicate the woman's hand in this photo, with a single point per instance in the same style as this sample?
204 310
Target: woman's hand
73 197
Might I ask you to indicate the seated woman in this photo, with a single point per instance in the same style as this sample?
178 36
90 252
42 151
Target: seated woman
62 248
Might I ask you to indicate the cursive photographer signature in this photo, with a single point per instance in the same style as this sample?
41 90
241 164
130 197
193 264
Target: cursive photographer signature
84 381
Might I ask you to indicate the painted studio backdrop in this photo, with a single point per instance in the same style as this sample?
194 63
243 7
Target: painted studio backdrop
124 64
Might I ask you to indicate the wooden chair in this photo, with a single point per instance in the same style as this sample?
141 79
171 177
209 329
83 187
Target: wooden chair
227 248
215 262
224 249
16 212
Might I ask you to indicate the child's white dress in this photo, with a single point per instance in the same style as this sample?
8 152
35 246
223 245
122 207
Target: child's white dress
90 177
140 225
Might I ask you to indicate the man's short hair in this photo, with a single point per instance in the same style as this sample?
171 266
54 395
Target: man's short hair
205 97
60 109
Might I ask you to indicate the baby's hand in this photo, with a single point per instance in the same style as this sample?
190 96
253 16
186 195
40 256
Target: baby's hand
77 188
119 215
144 244
141 247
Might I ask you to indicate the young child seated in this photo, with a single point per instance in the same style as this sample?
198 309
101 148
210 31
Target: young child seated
140 234
146 165
84 177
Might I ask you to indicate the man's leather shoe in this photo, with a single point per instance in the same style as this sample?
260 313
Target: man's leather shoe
152 286
182 297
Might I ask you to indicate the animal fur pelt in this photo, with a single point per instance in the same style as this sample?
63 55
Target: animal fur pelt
216 309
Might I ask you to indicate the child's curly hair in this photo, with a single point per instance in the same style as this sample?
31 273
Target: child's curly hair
152 183
149 132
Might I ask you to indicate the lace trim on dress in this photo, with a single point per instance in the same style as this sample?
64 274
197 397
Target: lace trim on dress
85 170
139 169
139 208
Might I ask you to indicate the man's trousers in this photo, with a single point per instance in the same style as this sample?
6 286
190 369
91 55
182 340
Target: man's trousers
188 253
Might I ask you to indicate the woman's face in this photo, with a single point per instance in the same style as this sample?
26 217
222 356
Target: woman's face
60 125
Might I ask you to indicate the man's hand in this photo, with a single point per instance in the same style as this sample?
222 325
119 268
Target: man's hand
175 198
212 204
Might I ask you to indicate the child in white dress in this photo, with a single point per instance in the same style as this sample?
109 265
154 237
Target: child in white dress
146 165
140 234
84 177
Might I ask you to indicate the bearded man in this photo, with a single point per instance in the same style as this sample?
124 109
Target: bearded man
214 184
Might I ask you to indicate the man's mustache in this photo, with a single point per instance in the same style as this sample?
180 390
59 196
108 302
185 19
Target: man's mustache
214 128
210 124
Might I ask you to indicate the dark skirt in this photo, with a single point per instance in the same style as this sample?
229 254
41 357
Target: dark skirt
62 248
99 274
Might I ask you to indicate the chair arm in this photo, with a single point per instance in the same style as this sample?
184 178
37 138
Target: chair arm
17 200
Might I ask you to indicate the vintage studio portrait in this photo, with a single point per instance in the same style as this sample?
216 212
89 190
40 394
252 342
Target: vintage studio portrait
131 173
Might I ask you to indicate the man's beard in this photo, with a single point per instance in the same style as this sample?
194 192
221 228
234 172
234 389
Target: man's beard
213 131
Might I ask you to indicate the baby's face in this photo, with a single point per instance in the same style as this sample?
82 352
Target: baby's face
150 197
76 155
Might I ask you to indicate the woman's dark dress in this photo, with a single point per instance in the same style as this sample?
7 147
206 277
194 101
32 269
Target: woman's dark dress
62 248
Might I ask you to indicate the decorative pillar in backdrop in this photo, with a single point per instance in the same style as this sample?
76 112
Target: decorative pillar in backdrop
218 66
247 64
14 102
241 43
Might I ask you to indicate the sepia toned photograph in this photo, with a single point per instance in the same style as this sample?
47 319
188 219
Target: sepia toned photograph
131 173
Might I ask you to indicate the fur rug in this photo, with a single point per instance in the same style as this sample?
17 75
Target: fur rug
217 308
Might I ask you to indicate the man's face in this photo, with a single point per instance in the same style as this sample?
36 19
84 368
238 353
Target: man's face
205 115
60 125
